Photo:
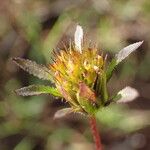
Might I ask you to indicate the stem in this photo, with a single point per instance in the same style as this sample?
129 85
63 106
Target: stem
95 133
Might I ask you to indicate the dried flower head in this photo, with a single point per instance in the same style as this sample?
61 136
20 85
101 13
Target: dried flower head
80 75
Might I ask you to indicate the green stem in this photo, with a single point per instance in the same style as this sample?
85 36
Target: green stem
95 133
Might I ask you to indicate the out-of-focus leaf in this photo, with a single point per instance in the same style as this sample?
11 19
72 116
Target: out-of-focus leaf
53 37
36 90
8 128
127 94
121 117
125 52
25 144
62 112
33 68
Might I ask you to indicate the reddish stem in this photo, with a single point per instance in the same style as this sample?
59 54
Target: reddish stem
95 133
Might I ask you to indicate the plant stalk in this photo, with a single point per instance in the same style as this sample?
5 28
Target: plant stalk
95 133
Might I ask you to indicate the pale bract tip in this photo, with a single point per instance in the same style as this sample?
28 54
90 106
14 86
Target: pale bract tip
62 113
78 38
127 51
127 94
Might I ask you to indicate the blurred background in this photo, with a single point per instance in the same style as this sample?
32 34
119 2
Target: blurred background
32 29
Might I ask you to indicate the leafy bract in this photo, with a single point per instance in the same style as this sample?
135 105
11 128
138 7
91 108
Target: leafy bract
36 90
33 68
125 52
110 69
103 89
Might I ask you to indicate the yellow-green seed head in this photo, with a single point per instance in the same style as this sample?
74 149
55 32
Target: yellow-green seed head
75 74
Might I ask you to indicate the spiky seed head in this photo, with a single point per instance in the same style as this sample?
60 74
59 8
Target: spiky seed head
75 74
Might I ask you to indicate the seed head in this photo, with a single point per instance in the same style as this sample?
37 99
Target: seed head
75 74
